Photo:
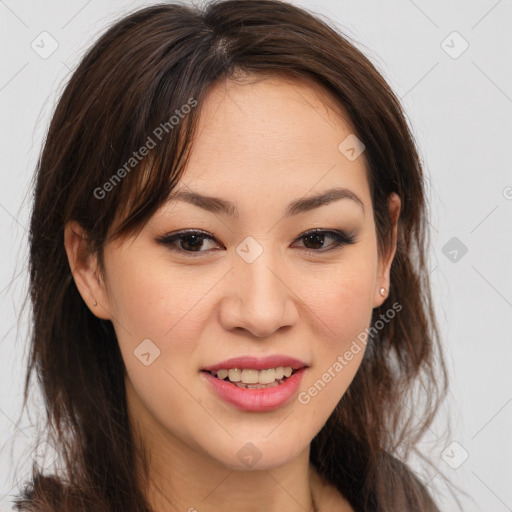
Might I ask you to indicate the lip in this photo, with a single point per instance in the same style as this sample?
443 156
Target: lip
257 363
256 400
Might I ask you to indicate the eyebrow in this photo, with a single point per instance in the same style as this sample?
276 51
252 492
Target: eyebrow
304 204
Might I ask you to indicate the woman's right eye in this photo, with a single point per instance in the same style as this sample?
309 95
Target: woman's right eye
188 242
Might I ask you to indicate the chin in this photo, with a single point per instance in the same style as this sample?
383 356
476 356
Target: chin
258 454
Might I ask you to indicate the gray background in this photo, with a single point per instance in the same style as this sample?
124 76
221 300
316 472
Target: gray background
460 107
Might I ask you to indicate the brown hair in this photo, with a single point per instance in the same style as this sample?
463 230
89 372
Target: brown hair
133 79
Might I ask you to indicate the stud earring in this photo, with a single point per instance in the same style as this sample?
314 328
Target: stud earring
95 303
382 291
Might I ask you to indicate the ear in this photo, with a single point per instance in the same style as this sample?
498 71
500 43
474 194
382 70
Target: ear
85 269
386 259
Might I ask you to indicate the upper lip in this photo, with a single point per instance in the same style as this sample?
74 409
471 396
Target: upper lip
257 363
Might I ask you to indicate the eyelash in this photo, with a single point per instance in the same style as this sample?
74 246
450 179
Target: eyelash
340 238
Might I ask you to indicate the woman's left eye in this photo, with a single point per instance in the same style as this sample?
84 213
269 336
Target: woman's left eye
193 241
318 236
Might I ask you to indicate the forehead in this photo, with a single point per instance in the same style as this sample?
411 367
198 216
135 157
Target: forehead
273 134
273 113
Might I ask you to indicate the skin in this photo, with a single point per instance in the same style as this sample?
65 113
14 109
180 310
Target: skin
259 145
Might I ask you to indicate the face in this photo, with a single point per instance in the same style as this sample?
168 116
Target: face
202 284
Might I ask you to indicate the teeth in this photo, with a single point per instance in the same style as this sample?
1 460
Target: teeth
253 378
222 374
250 376
266 376
235 375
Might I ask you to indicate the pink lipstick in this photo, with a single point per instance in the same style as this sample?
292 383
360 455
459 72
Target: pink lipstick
256 384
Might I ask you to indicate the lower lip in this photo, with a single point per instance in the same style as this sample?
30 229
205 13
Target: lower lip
263 399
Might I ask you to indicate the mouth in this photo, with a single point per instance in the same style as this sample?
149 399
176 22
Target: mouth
255 396
250 378
256 384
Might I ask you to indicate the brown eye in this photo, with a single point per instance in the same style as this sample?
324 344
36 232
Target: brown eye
187 241
191 242
314 240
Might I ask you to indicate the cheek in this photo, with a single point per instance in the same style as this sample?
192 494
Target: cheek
155 303
171 309
343 315
342 303
341 298
150 300
344 306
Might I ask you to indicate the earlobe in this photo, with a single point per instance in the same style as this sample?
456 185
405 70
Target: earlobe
383 278
84 268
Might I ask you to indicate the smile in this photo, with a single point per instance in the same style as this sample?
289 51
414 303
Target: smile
259 397
249 378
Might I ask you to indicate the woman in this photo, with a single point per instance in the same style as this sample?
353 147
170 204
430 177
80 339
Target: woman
228 272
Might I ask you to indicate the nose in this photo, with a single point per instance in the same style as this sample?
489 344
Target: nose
258 298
